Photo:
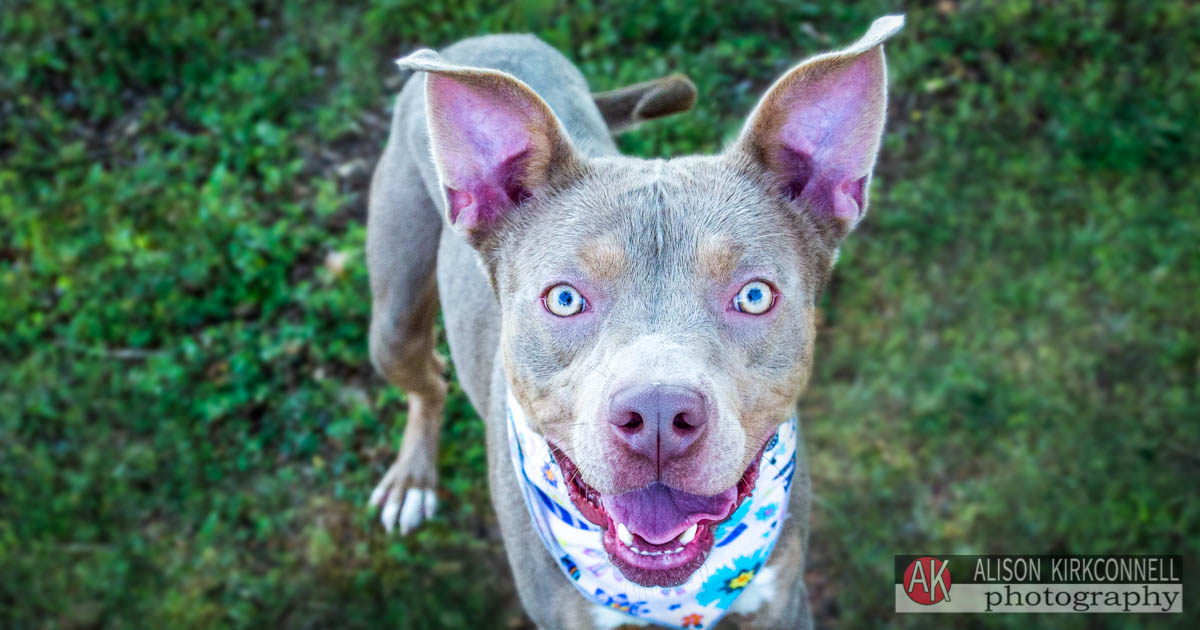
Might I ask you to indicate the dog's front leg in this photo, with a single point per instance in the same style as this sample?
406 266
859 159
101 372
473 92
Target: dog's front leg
406 494
402 239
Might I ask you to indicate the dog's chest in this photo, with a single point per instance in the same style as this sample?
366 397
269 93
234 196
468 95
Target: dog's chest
760 591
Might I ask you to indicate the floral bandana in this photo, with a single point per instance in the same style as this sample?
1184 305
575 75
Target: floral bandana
742 543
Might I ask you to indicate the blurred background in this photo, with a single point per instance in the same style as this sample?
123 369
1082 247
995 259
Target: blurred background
1008 354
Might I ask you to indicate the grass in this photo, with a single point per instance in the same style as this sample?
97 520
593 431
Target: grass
189 426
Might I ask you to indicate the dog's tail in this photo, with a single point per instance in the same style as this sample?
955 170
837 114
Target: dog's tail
624 108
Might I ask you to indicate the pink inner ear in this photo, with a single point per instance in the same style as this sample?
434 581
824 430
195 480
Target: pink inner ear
851 194
490 197
483 144
829 137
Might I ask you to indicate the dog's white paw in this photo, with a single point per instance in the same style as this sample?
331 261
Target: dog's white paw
402 502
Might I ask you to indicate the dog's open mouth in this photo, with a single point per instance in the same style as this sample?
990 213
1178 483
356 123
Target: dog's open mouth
656 536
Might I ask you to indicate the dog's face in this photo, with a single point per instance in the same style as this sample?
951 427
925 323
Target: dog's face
657 334
658 316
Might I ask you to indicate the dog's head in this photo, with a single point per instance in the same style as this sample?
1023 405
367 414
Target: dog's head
658 315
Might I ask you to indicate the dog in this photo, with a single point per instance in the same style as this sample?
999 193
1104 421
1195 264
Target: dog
653 320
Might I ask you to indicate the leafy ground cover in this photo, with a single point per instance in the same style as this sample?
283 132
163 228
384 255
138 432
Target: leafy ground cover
189 426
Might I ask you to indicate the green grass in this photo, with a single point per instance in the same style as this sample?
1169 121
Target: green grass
189 428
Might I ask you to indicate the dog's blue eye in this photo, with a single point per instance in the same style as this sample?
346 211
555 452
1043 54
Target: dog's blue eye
564 300
755 298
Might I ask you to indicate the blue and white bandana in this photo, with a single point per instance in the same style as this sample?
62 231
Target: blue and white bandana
741 548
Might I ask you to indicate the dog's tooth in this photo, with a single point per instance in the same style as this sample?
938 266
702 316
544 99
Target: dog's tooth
689 535
677 550
624 535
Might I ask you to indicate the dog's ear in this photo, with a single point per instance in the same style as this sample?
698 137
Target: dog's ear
496 143
817 129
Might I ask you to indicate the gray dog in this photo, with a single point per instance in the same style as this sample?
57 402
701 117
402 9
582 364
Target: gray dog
652 318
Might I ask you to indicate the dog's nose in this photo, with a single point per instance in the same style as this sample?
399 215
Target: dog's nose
658 421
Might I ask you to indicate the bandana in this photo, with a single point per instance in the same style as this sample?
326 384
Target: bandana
742 543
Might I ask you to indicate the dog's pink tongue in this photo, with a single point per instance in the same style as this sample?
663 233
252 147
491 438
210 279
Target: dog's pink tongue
658 513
